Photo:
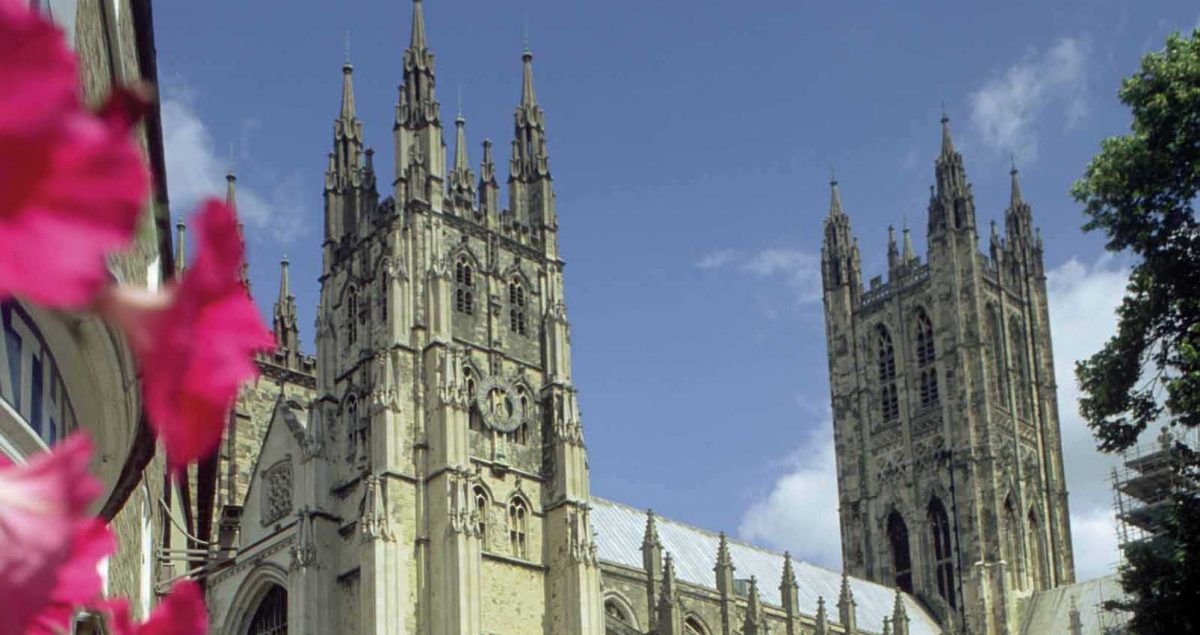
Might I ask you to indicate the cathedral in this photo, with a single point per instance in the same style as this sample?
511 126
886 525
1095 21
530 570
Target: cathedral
426 472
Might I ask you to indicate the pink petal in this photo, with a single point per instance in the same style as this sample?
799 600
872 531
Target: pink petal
79 582
182 612
197 350
72 184
48 539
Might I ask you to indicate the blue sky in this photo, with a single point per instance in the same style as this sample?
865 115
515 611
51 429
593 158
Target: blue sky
691 145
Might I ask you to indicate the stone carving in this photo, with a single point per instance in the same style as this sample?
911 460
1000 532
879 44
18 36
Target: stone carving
374 524
277 492
498 402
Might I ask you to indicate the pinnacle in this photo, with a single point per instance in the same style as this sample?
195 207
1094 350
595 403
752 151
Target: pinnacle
835 199
947 141
418 41
1016 199
528 96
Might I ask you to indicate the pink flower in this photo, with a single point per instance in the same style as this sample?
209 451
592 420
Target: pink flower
195 343
50 546
72 184
180 613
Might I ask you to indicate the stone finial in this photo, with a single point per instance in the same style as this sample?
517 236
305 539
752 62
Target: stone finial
899 615
947 141
909 254
822 620
723 557
418 41
847 608
887 626
650 538
753 624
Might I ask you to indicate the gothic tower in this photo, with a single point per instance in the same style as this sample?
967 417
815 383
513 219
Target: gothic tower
451 432
949 453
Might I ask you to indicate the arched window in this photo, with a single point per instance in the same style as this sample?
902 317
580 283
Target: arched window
351 428
1037 552
520 436
483 507
943 560
693 627
464 293
270 618
518 527
901 557
351 315
1012 545
383 299
475 416
516 307
614 611
926 356
1021 361
996 344
885 356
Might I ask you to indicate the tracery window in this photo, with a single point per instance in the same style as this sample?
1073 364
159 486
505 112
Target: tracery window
1024 388
518 526
270 618
926 355
692 627
483 506
1037 551
464 293
1012 545
943 560
885 355
516 307
996 344
897 532
351 315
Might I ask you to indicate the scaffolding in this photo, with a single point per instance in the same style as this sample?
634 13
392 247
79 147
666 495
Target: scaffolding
1144 485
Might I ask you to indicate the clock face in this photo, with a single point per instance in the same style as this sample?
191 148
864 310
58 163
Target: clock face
501 408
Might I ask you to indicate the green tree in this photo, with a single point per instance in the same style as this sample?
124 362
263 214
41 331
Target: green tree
1141 191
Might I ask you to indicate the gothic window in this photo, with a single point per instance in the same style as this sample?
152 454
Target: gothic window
943 560
383 299
885 355
692 627
475 416
1012 544
483 506
616 613
1037 551
901 557
1022 363
270 618
351 427
520 436
518 527
351 315
926 354
516 307
996 343
464 292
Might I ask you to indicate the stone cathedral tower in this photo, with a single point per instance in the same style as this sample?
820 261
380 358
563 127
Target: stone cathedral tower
949 454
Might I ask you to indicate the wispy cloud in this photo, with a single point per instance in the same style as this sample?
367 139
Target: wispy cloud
196 170
800 511
1004 111
799 270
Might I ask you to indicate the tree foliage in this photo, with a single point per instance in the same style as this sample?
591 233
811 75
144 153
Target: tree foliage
1141 191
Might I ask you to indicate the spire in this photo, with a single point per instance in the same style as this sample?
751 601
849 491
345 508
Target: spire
835 200
180 255
418 41
1015 199
528 96
753 623
285 290
947 142
347 112
909 254
461 162
893 251
650 538
723 558
789 594
231 189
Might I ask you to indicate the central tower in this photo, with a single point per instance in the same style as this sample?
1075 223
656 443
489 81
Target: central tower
949 454
453 437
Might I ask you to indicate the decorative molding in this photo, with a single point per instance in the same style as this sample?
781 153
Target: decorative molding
276 498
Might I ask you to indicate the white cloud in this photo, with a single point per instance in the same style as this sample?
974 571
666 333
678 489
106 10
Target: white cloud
1083 298
799 270
716 259
1005 109
195 172
800 512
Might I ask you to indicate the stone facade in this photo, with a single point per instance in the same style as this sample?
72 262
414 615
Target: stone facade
949 453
